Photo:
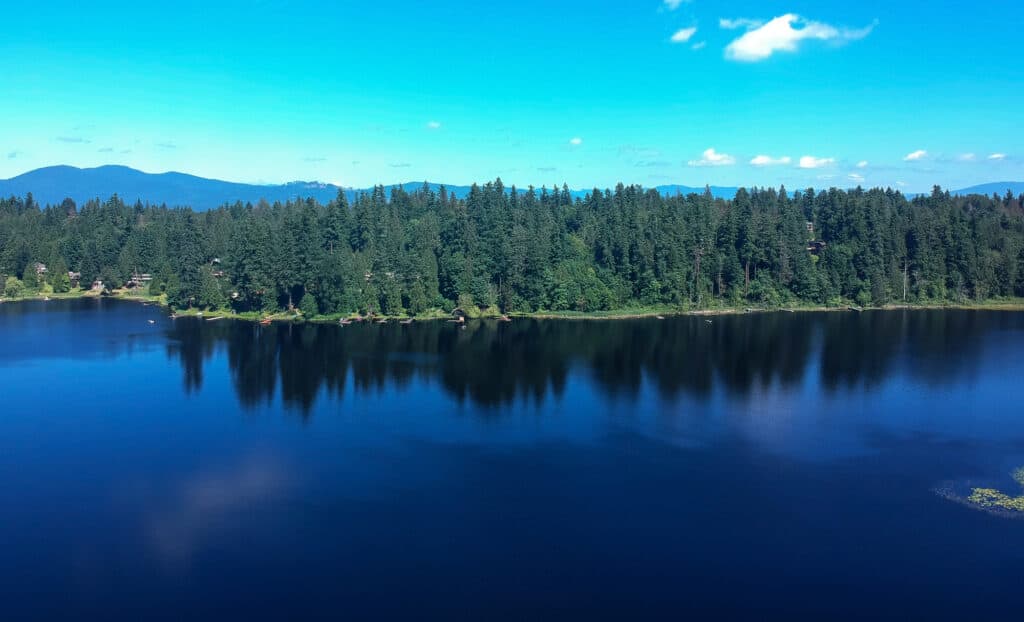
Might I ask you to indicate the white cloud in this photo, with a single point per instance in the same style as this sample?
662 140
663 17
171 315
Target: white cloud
684 34
901 184
813 162
916 156
699 45
434 125
997 156
672 5
576 141
855 177
763 160
743 22
967 157
862 164
713 158
778 35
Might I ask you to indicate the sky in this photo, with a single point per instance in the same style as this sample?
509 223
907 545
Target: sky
589 93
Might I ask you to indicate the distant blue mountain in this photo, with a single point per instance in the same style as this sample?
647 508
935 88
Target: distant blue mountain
997 187
55 183
52 184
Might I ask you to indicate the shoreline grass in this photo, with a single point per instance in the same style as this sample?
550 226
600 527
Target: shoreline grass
1012 304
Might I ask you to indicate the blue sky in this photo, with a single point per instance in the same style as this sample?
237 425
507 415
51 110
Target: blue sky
589 93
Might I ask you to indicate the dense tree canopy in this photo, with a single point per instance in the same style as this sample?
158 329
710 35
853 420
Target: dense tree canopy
400 252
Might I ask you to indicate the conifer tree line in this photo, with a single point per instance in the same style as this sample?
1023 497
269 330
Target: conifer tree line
394 252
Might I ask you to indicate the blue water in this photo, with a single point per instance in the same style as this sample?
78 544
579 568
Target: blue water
761 466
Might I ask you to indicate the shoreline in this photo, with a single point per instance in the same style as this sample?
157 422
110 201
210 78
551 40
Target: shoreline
438 315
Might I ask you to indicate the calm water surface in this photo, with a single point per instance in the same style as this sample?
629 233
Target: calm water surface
779 465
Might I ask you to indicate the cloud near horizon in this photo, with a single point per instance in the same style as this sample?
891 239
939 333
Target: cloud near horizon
779 35
713 158
764 160
811 162
916 156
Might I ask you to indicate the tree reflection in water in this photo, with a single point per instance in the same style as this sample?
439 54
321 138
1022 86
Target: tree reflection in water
492 364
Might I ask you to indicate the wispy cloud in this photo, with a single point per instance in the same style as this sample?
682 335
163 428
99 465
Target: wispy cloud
73 139
400 165
576 141
764 160
713 158
811 162
856 177
862 164
166 145
683 34
700 45
779 35
636 151
916 156
652 164
967 157
314 159
742 22
105 150
546 169
997 156
672 5
433 125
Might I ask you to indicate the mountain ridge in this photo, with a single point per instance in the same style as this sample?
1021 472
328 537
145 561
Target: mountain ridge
52 184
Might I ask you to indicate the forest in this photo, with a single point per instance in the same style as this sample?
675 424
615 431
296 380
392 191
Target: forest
395 252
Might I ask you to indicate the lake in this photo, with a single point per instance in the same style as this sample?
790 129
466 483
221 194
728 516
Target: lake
768 466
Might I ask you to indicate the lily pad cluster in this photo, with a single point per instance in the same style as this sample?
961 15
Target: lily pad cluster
993 499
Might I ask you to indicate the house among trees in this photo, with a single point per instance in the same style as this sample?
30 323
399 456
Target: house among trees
74 278
40 270
816 247
138 280
97 285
